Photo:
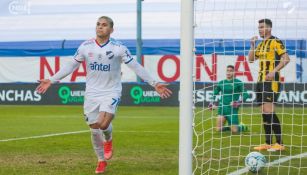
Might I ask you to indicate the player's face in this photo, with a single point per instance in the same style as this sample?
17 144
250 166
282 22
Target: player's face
230 73
264 30
103 28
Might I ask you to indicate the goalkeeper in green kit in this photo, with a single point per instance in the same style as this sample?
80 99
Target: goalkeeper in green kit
230 89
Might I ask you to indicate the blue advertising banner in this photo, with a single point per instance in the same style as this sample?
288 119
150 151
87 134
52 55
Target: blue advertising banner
135 94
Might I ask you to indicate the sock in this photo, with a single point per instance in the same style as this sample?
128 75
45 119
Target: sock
241 128
277 129
108 133
97 140
267 125
226 128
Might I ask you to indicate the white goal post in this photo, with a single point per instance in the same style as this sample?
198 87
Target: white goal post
186 86
215 34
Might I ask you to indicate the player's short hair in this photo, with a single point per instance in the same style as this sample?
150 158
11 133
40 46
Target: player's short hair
110 21
266 21
231 66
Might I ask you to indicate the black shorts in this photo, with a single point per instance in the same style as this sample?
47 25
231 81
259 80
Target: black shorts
267 92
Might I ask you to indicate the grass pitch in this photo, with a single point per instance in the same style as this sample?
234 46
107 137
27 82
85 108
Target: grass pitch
223 152
145 142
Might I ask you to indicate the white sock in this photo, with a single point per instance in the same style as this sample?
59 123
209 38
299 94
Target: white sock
97 143
108 133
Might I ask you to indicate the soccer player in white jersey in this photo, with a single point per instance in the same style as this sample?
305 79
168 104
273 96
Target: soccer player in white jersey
103 57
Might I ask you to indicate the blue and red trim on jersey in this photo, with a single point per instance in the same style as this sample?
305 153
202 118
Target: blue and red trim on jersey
101 46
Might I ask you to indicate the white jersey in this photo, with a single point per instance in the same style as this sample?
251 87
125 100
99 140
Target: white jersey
103 65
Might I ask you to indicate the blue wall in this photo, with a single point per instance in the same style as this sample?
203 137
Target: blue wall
150 47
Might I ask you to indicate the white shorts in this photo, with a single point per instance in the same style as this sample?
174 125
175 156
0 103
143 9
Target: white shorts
93 106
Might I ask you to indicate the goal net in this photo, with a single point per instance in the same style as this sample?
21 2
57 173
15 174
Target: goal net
223 29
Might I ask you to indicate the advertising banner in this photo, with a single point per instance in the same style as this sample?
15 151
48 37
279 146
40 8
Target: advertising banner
134 94
164 68
57 94
212 68
73 94
291 94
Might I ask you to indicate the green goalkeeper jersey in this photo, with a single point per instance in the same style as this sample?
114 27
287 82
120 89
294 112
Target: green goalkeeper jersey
230 90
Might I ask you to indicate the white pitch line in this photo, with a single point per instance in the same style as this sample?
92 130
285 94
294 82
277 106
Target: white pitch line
278 161
75 132
43 136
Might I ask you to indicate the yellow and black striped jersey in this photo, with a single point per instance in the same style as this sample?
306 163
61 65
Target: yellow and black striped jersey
269 53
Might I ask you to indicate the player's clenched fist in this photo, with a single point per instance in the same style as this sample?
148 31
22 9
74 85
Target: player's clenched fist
253 41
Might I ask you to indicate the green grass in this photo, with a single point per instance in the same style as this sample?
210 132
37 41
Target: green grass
236 146
145 142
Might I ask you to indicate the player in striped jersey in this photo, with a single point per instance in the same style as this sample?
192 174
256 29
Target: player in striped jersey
272 56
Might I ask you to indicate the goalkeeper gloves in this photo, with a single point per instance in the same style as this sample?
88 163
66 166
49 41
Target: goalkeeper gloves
236 104
212 106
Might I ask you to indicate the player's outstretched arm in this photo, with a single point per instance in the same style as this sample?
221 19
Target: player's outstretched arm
66 70
163 90
43 86
141 72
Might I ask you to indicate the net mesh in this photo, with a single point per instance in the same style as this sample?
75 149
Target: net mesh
223 29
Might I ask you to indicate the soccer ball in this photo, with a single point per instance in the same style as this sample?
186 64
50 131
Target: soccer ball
254 161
